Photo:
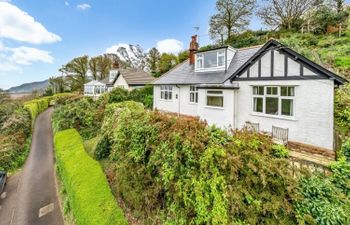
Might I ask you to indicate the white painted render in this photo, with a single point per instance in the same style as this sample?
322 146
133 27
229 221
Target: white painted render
121 83
312 122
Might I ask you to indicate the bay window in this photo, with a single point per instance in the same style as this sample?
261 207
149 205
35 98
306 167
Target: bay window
193 94
273 100
215 98
166 92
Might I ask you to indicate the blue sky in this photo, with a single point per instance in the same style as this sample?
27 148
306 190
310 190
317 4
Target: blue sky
37 37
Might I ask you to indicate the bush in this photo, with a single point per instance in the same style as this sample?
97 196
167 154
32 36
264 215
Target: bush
184 172
36 106
322 202
15 132
280 151
80 114
103 149
143 95
89 196
345 150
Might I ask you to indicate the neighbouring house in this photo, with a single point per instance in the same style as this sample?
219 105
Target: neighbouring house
269 88
118 78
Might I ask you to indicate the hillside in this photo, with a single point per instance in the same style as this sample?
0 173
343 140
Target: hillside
328 50
29 87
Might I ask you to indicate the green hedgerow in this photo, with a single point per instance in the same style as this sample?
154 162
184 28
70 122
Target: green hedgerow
90 198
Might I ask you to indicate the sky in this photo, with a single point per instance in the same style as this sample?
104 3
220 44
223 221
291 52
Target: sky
38 37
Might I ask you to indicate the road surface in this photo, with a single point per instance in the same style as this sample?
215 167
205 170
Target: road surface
31 195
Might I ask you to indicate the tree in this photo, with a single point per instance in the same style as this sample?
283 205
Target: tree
153 60
100 66
57 84
182 56
286 14
166 62
76 71
232 15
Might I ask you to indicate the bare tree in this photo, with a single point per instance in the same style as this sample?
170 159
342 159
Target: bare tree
285 14
232 15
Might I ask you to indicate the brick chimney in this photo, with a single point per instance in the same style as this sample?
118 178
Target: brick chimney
193 49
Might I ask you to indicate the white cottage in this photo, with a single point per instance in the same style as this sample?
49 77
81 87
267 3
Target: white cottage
121 78
271 88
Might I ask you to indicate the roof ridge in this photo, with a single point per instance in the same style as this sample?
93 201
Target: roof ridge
249 47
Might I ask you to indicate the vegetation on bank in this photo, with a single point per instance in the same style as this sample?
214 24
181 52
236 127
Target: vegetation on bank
177 170
89 196
16 124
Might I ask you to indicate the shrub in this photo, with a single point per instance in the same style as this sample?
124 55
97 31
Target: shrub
118 95
184 172
89 196
80 114
36 106
103 149
321 202
279 151
345 150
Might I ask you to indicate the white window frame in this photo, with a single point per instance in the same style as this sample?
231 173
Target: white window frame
201 57
208 94
194 93
166 92
280 98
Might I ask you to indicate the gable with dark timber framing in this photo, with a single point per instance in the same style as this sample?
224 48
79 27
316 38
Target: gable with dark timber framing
275 61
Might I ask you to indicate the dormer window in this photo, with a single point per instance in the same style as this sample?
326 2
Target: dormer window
211 59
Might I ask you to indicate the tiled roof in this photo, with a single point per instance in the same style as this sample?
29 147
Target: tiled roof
184 73
132 77
137 77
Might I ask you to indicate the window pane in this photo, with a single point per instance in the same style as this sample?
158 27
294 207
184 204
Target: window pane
215 92
258 90
215 101
284 91
191 97
165 95
221 60
290 91
271 106
196 100
170 95
258 104
271 90
210 59
287 107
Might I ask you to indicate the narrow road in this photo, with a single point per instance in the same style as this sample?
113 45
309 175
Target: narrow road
36 201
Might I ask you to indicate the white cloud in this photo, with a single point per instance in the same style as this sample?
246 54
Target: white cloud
170 46
26 55
66 3
18 25
84 6
12 58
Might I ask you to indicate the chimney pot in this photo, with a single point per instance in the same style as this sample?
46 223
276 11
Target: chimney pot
193 48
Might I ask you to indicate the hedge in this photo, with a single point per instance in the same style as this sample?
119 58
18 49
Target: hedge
89 195
36 106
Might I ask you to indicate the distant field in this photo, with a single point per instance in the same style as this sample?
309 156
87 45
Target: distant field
19 95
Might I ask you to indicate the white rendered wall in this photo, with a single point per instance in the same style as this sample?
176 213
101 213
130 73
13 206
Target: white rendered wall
121 82
221 117
312 122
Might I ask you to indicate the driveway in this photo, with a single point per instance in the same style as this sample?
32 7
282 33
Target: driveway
31 196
